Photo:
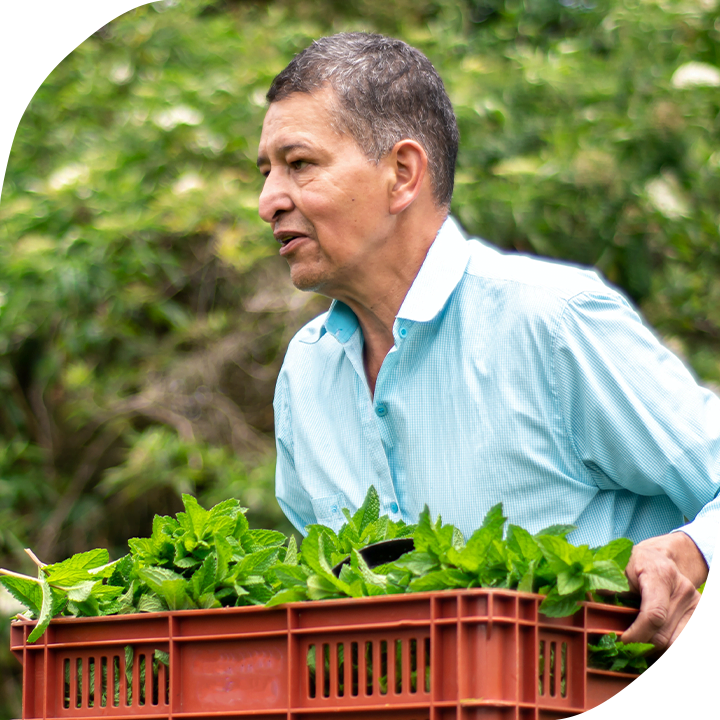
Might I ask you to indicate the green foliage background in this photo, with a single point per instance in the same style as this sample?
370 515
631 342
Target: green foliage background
143 310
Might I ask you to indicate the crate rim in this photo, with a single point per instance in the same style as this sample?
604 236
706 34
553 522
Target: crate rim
195 612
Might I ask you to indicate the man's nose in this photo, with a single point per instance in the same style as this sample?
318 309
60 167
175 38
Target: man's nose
274 198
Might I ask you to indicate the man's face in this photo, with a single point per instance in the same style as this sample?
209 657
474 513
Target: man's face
326 201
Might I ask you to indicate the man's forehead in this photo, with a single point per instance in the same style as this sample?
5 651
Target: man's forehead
299 121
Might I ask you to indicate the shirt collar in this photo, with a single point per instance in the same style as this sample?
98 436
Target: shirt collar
439 275
341 322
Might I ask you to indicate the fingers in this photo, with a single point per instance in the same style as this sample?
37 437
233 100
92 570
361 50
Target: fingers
665 609
668 596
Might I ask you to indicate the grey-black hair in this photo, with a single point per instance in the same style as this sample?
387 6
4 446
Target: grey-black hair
388 91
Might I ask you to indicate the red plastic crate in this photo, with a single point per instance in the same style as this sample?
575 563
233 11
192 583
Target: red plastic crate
467 655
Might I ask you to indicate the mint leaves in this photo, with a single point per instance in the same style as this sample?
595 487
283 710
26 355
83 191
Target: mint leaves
199 559
612 654
545 562
312 577
211 558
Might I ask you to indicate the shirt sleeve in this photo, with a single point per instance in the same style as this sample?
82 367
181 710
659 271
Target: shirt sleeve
636 416
293 500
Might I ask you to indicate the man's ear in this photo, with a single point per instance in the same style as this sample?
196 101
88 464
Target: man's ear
409 163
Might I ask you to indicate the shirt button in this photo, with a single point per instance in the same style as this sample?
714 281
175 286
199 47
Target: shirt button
402 332
394 507
380 410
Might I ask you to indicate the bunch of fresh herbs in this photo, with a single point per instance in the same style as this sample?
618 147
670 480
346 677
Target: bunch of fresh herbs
211 558
199 559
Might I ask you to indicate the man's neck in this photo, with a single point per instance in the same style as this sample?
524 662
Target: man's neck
377 309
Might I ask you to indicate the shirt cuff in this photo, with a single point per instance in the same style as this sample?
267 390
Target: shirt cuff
704 530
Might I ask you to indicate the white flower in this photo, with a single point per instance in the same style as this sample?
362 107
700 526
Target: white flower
178 115
188 181
665 194
696 74
121 73
68 175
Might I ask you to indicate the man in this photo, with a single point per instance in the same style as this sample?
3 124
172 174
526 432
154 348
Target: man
448 373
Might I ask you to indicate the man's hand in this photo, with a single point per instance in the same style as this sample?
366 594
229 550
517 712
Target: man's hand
665 571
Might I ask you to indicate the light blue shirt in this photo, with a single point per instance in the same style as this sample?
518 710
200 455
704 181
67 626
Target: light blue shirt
511 379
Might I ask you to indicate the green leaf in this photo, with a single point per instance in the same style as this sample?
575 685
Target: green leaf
618 550
570 582
348 535
425 536
555 605
612 654
162 657
523 543
368 576
447 579
142 548
376 531
168 585
288 595
121 572
556 530
494 521
151 602
316 547
257 563
203 580
187 563
208 600
527 580
175 594
561 555
197 514
369 511
77 568
267 538
475 553
291 556
320 587
52 603
606 575
224 554
82 591
26 592
418 563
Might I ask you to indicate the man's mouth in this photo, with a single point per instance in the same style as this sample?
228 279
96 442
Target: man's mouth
289 240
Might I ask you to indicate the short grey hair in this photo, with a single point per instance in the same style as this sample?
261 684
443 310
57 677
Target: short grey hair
388 91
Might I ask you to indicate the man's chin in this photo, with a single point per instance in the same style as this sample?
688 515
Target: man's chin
307 282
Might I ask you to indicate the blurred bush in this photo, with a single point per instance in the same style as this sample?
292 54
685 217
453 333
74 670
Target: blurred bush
144 312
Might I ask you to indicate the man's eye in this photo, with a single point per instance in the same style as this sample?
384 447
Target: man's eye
298 164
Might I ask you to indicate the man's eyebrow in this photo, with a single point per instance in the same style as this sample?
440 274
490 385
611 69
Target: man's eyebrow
283 150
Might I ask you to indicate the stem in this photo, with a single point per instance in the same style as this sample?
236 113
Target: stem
34 558
19 576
